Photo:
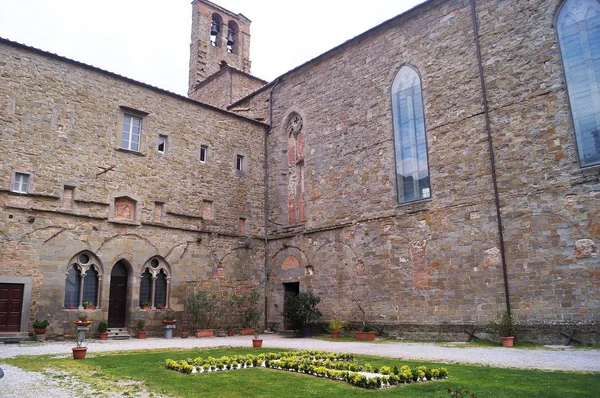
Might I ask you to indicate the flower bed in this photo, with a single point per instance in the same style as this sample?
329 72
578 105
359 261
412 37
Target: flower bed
317 363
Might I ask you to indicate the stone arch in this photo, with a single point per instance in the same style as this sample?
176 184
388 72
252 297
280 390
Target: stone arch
83 280
155 281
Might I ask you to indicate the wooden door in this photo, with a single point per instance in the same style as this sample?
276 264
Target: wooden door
117 303
11 305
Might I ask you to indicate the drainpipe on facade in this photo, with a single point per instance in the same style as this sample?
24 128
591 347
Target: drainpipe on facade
486 112
266 200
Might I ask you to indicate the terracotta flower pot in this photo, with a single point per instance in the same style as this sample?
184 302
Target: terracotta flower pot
365 336
82 323
230 333
146 307
40 331
169 322
90 307
257 343
203 333
335 335
103 336
142 334
79 352
507 341
246 331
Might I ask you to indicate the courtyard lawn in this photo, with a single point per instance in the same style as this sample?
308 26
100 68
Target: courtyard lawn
147 367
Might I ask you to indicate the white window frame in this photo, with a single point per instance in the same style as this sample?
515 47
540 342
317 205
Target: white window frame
164 140
203 154
18 185
130 131
240 162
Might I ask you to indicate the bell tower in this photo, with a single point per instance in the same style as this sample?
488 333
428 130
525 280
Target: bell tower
219 38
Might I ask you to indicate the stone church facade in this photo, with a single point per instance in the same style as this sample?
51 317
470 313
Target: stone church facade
423 176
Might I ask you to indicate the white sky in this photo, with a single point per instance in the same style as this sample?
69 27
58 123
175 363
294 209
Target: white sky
148 40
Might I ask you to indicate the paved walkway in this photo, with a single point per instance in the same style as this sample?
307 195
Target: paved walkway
18 383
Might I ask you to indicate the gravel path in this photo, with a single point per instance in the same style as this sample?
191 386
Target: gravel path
21 384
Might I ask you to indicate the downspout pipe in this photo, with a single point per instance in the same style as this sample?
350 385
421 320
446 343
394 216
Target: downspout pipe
488 130
266 200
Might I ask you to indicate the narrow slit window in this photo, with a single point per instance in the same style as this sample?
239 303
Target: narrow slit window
239 162
203 153
162 143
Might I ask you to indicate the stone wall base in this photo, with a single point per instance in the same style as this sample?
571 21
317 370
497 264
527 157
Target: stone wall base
543 334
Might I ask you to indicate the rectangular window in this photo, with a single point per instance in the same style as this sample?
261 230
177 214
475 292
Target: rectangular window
162 143
132 129
203 153
239 162
21 183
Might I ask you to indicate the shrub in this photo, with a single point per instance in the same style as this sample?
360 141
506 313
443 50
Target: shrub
41 324
301 310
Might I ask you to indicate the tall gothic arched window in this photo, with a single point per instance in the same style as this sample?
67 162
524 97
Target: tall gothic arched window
82 281
410 143
154 283
578 27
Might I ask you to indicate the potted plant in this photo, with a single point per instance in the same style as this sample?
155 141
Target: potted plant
185 333
39 327
88 305
505 328
82 320
82 323
169 318
365 334
301 311
246 310
141 333
201 307
256 342
146 305
103 331
160 306
335 326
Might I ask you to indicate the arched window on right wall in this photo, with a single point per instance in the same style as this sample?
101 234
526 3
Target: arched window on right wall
410 142
578 27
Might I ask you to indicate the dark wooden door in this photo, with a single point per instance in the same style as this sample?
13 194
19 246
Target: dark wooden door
289 288
117 303
11 304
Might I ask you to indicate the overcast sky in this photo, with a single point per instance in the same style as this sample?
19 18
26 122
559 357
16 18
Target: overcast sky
148 40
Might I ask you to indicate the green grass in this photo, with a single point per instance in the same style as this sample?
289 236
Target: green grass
146 367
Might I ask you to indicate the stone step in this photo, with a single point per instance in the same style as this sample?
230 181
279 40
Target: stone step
118 333
14 337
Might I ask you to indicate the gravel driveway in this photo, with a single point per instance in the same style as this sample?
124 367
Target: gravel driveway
20 384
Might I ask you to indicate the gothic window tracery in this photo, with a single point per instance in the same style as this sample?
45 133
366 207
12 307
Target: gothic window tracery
82 282
295 134
154 283
578 28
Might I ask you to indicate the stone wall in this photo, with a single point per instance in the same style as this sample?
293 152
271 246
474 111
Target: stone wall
437 262
225 87
62 122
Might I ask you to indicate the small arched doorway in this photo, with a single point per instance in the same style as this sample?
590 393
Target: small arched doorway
117 306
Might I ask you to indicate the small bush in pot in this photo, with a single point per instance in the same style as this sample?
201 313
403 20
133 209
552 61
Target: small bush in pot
505 328
301 310
40 326
140 329
102 330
